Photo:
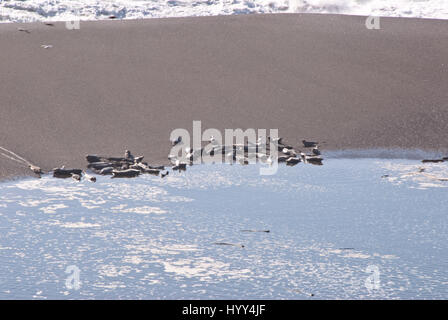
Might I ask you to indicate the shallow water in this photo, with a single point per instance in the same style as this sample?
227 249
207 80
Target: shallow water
333 229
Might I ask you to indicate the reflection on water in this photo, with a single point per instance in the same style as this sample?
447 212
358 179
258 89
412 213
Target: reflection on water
155 238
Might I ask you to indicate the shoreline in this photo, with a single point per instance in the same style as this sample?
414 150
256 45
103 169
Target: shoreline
126 84
329 154
224 15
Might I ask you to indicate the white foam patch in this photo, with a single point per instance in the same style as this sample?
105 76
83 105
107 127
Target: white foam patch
382 153
114 271
65 10
53 208
417 176
204 268
79 225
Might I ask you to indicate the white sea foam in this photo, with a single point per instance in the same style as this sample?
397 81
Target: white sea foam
64 10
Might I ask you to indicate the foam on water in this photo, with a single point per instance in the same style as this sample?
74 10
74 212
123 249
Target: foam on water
156 238
63 10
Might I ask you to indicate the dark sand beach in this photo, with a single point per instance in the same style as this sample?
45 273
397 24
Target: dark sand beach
116 85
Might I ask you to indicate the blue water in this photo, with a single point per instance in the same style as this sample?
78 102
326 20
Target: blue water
153 238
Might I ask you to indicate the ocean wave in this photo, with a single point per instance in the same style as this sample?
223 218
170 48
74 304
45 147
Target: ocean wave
65 10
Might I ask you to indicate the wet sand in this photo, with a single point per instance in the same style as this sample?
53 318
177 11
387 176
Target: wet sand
117 85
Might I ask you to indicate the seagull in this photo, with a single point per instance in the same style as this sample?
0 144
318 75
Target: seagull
24 30
176 141
180 165
189 154
138 159
289 152
213 141
76 177
128 155
89 177
231 156
316 151
35 169
163 175
46 46
277 140
270 160
261 141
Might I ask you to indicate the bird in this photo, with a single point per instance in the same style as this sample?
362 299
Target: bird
261 141
309 144
270 160
316 151
213 141
289 152
23 30
89 177
180 166
128 155
163 175
189 154
35 169
276 140
176 141
46 46
76 177
138 159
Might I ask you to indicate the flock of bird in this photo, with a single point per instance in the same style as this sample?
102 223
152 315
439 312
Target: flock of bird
244 153
130 166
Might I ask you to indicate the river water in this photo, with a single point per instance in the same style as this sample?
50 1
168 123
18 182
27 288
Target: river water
350 229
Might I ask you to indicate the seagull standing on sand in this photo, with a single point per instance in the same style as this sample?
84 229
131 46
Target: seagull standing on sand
213 141
23 30
276 140
176 141
128 155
